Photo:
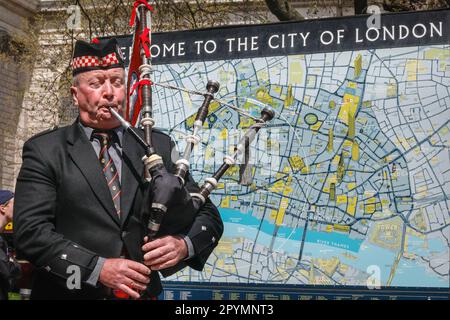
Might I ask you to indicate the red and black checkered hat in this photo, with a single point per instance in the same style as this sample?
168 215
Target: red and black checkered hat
100 54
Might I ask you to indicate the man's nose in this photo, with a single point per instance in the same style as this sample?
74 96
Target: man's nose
108 92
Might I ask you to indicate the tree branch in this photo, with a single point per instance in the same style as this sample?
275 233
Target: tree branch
283 10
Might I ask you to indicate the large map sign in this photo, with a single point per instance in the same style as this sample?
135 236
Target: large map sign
346 192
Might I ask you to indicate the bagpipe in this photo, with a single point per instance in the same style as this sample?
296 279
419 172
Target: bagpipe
168 190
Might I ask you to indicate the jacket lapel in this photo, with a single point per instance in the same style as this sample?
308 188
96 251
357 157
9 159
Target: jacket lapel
83 155
132 172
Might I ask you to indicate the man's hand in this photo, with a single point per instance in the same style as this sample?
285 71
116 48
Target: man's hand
126 275
164 252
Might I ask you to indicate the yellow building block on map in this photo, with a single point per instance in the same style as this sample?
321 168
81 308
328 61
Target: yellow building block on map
246 122
352 85
289 99
234 198
225 202
277 89
296 162
358 65
287 190
262 74
362 120
317 126
332 179
369 209
305 170
335 160
348 144
273 214
220 185
351 186
280 216
437 53
289 181
434 160
391 90
329 228
339 227
209 153
351 208
421 189
306 100
355 151
232 171
341 199
332 104
279 175
223 134
414 67
277 186
411 67
263 96
249 105
295 72
350 102
371 200
224 247
190 120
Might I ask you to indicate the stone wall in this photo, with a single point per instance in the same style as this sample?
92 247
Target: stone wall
13 84
10 103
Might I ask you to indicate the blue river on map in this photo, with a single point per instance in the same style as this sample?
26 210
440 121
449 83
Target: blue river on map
248 226
327 245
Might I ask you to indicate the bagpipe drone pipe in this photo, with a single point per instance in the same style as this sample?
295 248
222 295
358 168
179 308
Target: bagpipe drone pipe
170 192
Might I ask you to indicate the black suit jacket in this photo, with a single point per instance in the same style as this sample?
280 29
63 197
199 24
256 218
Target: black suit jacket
9 270
64 214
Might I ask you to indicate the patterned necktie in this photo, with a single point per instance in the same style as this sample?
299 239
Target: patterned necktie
109 169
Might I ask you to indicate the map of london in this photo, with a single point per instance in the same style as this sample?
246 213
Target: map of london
348 185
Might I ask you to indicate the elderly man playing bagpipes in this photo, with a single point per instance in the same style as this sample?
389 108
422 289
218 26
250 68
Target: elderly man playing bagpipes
103 200
81 194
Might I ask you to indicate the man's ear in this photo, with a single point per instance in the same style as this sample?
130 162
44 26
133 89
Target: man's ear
74 92
2 210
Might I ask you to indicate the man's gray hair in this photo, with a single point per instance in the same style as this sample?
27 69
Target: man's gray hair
75 81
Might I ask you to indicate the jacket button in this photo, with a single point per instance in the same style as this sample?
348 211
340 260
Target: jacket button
124 234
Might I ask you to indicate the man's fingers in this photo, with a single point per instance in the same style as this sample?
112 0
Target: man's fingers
159 259
139 267
153 244
136 276
164 265
155 254
135 285
129 291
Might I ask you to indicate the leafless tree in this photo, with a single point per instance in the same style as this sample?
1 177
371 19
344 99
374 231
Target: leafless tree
283 10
